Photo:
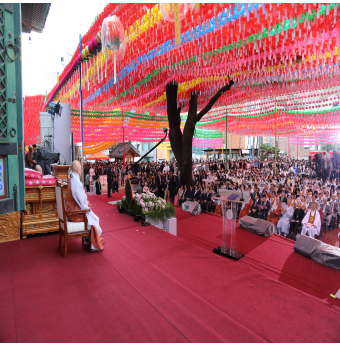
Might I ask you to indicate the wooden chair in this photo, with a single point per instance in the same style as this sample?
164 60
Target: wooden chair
69 229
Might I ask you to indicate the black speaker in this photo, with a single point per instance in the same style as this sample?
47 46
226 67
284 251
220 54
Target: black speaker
318 251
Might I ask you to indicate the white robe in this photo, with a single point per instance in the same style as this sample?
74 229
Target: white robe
284 222
80 197
315 228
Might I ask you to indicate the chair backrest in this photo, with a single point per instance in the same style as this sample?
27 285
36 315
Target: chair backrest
59 199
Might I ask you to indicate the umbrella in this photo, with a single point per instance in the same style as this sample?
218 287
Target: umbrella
97 156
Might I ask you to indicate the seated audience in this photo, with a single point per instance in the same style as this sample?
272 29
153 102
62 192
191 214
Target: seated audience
287 212
275 212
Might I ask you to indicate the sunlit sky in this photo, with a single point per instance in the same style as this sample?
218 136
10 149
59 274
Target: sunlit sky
41 59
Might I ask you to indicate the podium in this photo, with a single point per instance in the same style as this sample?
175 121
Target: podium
230 201
60 171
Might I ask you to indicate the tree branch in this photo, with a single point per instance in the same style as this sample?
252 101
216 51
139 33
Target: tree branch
174 118
191 119
213 100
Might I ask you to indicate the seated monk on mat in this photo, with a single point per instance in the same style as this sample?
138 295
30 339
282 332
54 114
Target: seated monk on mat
246 209
77 200
275 212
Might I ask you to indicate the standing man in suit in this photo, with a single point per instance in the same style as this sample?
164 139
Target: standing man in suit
215 166
159 182
109 180
331 211
122 173
171 186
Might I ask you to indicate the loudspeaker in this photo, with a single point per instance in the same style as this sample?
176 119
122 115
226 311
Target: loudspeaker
320 252
258 226
306 246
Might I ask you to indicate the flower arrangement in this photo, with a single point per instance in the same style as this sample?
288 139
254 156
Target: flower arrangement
149 205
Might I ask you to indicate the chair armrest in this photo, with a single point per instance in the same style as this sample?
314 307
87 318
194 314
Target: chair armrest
77 211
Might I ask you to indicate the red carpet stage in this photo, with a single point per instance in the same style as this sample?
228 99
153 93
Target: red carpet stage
150 286
114 197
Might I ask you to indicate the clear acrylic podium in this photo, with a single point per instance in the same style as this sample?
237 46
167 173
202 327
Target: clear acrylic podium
229 206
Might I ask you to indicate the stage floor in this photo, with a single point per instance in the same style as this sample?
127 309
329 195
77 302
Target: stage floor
150 286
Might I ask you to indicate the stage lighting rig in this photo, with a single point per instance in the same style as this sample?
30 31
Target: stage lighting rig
55 109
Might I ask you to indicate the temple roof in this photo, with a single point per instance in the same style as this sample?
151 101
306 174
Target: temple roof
33 17
118 152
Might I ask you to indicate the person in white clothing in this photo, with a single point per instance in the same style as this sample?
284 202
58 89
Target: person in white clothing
80 198
287 214
311 222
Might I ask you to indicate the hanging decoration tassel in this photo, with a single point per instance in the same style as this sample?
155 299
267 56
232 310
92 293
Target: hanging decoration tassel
94 72
98 70
101 66
105 62
87 76
91 72
114 66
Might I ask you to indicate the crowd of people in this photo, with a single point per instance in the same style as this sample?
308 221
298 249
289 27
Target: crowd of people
300 189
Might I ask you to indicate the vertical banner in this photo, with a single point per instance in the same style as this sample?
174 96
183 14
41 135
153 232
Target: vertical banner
177 27
3 193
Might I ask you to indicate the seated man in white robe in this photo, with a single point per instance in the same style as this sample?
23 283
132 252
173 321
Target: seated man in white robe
80 198
311 222
284 222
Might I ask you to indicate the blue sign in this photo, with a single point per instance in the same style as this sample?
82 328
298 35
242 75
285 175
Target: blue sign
2 177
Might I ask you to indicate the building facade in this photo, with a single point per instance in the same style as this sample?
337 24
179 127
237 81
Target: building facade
293 151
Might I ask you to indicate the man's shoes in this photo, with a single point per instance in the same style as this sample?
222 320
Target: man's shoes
109 196
97 250
86 240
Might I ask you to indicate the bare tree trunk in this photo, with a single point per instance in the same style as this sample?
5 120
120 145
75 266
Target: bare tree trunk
181 144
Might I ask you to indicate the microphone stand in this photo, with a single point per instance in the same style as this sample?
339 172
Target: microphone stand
133 166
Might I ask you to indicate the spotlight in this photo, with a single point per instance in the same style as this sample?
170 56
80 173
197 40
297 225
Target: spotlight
55 109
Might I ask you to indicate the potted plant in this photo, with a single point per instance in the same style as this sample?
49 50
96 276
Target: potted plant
119 207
